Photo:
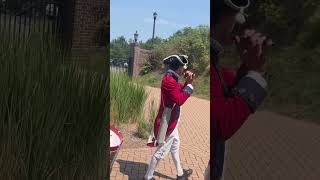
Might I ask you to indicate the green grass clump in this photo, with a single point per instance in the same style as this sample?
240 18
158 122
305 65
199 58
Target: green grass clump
127 98
143 127
150 79
53 116
146 126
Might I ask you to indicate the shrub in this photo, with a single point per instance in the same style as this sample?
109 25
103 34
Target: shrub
147 68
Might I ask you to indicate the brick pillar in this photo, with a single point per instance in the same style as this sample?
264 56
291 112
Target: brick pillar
89 19
133 59
137 59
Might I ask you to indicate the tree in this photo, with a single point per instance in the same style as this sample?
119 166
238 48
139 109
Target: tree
283 20
310 38
193 42
149 44
119 48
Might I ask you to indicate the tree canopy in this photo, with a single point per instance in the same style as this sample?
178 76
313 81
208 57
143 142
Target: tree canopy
119 48
282 20
193 42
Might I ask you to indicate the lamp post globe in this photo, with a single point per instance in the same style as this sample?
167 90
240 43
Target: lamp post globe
155 15
136 35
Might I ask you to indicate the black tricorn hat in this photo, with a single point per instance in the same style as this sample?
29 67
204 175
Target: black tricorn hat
176 60
235 5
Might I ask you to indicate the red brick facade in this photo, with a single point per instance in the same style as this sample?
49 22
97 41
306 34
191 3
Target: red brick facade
138 57
88 21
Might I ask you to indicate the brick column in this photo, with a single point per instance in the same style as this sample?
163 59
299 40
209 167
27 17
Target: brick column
133 59
87 24
138 58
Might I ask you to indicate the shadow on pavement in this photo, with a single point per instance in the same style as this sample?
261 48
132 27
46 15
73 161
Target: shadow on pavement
137 170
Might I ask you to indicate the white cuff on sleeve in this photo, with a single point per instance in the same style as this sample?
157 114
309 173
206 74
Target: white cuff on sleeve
258 78
190 86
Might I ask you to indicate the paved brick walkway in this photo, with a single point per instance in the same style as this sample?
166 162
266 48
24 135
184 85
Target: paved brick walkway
272 147
194 150
267 147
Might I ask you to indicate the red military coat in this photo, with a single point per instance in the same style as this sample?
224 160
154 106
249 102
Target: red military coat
172 92
232 99
229 113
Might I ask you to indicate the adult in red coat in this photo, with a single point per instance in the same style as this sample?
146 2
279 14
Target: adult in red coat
234 96
173 96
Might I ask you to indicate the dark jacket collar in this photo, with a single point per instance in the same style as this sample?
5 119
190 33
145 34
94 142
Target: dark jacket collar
173 74
216 51
217 47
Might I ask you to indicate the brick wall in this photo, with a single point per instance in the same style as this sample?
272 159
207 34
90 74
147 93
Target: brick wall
87 17
138 57
88 20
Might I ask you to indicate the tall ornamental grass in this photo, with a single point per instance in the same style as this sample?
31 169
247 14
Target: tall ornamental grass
127 98
145 125
52 116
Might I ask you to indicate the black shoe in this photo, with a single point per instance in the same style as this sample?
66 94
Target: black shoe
186 174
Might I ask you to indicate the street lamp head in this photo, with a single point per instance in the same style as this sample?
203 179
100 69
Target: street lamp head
136 36
155 15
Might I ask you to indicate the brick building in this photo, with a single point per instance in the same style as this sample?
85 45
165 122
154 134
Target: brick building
89 19
80 25
89 31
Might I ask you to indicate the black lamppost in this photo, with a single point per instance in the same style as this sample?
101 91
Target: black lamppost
154 24
136 35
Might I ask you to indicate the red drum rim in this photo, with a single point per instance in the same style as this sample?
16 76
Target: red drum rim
120 135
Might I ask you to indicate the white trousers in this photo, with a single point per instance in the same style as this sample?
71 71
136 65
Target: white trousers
172 145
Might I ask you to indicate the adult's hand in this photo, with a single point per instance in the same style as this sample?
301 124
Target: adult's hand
189 77
252 47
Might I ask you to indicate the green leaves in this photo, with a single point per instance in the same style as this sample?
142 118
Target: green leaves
282 20
193 42
310 38
119 48
147 67
151 44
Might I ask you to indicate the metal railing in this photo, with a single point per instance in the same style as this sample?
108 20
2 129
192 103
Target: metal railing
20 18
119 65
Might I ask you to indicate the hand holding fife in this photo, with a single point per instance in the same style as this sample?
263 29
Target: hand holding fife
189 77
252 47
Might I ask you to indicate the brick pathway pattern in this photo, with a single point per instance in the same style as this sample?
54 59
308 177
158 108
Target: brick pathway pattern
267 147
194 131
274 147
